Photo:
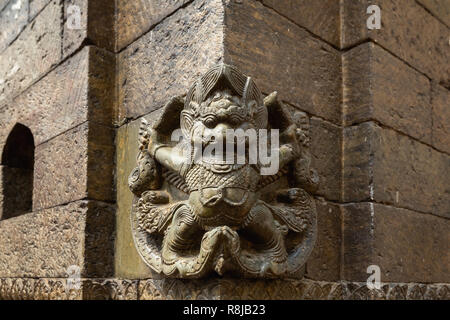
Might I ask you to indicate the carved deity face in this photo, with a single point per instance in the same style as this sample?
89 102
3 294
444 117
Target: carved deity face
222 110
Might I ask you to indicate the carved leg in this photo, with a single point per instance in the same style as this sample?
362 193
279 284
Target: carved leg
264 232
180 235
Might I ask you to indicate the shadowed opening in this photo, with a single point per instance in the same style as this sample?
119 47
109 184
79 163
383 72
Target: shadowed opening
17 173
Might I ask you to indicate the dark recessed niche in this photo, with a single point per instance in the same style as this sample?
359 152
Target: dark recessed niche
17 173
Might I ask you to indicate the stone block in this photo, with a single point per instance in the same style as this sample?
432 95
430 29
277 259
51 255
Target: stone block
319 17
80 89
441 117
95 25
439 8
164 62
60 171
36 6
135 18
387 167
100 162
374 89
406 245
13 19
357 161
45 243
75 165
402 32
326 141
324 264
281 56
33 53
309 77
409 174
55 104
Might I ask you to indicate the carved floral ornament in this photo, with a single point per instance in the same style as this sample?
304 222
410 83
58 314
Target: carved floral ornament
194 215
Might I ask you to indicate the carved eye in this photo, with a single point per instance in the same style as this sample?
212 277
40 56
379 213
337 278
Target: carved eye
210 121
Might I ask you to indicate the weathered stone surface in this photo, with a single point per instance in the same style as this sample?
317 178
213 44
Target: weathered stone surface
166 60
441 116
398 291
135 17
99 238
357 159
101 94
35 51
324 263
439 8
53 105
96 24
117 289
100 165
406 245
13 18
36 6
387 167
109 289
319 17
232 289
409 174
37 289
326 140
59 289
312 69
74 165
60 169
284 57
128 263
402 33
374 89
242 289
81 88
101 22
47 242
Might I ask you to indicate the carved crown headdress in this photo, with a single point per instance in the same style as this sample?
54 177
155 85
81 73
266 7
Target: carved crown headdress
224 76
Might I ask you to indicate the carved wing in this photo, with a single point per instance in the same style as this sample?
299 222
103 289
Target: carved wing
170 118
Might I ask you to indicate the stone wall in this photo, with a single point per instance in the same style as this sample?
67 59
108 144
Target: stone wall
379 107
60 84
